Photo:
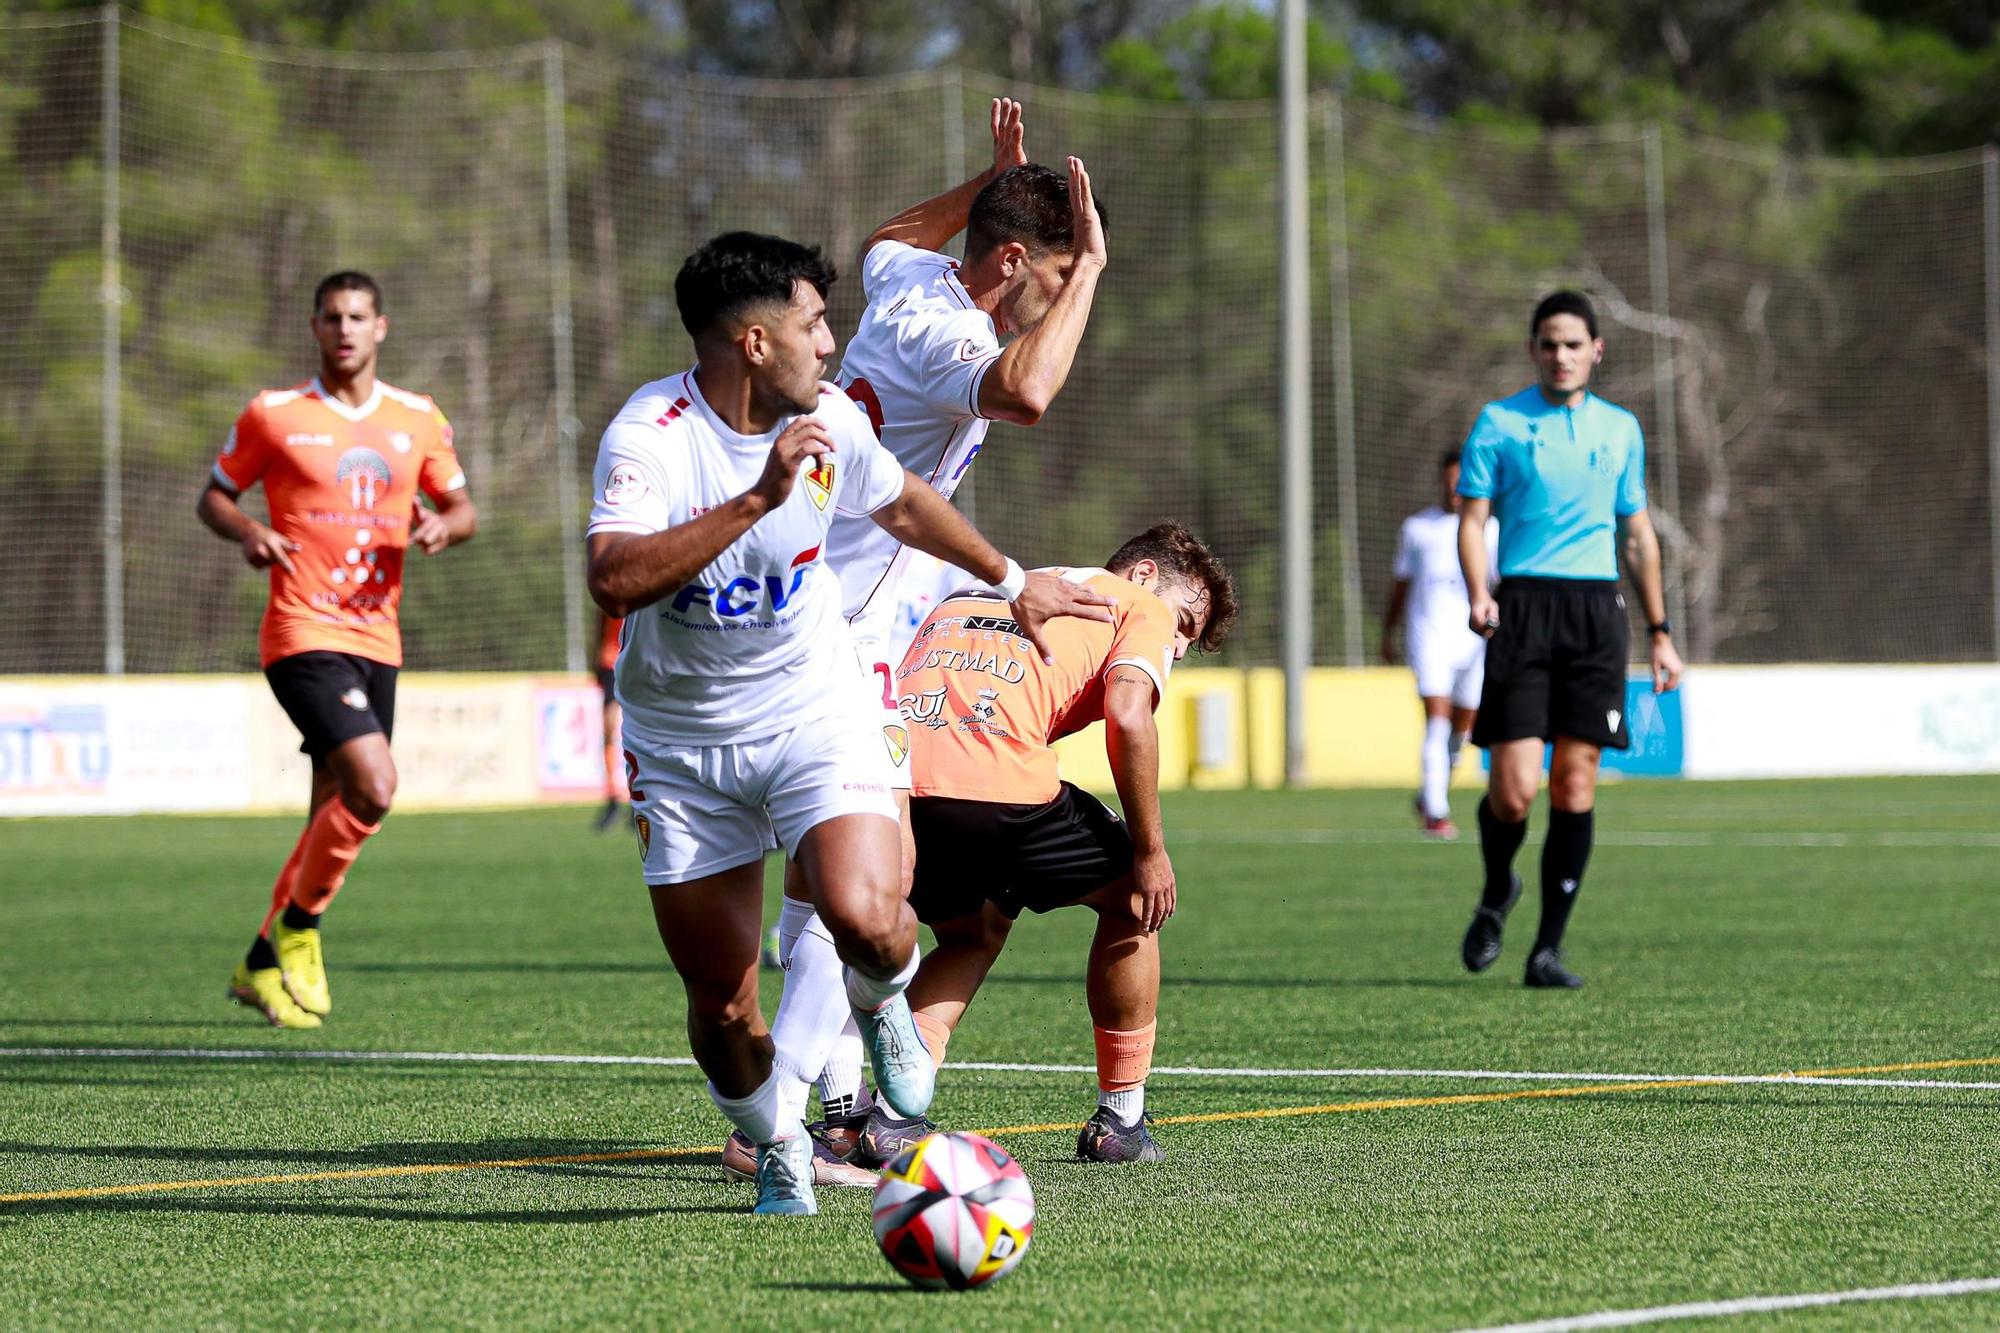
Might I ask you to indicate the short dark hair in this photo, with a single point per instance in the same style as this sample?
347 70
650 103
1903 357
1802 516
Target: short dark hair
347 280
1563 303
1183 558
1449 458
741 269
1029 204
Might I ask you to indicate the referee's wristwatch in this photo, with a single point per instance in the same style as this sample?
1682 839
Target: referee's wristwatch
1664 627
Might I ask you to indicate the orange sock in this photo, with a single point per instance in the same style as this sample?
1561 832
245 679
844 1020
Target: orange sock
935 1034
281 888
332 842
1124 1058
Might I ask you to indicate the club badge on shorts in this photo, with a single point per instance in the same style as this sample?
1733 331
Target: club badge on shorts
356 698
898 740
819 480
645 827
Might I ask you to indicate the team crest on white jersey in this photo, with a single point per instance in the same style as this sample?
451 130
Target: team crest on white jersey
819 481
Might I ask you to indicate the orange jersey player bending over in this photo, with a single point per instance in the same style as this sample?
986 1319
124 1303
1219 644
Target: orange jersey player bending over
998 830
342 460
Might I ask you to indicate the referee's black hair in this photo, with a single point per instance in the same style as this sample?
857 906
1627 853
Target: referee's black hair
741 269
347 280
1449 458
1563 303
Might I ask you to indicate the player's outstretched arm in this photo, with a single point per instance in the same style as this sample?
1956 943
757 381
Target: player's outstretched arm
1642 566
1392 616
922 518
1020 385
931 224
455 520
262 546
1132 743
1485 617
632 570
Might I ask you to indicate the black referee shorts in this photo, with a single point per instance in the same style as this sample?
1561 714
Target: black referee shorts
1556 665
334 697
1038 857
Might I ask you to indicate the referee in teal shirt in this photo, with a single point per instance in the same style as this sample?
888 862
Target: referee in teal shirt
1563 471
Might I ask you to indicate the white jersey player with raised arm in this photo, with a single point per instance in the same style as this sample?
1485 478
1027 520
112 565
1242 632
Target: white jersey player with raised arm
1448 658
914 366
739 688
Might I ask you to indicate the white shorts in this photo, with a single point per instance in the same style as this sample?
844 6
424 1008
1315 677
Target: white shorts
702 809
878 669
1449 665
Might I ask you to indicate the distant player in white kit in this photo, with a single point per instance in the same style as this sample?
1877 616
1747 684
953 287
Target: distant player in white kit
1449 660
743 713
927 366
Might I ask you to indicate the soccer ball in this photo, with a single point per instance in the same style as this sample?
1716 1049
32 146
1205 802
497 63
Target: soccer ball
954 1210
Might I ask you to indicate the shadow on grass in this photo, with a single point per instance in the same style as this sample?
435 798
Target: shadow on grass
1170 981
115 1022
295 1159
869 1287
363 1211
620 969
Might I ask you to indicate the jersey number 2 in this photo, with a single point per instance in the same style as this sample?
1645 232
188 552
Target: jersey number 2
862 392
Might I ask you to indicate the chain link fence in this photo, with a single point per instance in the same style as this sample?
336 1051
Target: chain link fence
1812 345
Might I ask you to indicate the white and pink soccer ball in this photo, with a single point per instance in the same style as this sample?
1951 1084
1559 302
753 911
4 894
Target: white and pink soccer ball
955 1211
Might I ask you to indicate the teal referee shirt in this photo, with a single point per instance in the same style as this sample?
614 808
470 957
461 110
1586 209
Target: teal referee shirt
1559 478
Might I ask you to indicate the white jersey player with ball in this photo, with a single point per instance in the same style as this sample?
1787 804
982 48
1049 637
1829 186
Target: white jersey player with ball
928 367
1449 660
744 724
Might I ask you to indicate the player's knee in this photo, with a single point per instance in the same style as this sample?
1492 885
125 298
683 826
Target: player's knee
866 923
719 1006
369 795
1509 803
1573 791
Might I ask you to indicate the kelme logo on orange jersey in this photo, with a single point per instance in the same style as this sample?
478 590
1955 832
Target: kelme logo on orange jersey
365 475
819 481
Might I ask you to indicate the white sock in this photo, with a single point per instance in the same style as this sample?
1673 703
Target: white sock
840 1080
868 994
792 918
1456 748
1437 766
812 1007
1127 1105
757 1115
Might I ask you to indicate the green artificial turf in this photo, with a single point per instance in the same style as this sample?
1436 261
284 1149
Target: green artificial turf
1724 929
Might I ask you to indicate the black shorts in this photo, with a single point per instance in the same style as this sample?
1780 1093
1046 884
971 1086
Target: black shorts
1556 665
334 697
1038 857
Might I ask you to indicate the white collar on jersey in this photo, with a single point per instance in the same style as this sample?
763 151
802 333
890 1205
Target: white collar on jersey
342 409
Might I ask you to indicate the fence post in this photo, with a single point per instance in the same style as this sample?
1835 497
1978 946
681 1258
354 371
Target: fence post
1991 194
111 296
563 346
1345 446
1295 563
1665 407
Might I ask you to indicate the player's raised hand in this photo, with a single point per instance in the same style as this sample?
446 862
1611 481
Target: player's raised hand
428 530
1485 617
1086 228
1007 135
1045 596
1153 878
1667 665
805 438
263 547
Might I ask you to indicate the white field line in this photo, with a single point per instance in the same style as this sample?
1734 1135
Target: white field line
984 1066
1660 1314
1608 838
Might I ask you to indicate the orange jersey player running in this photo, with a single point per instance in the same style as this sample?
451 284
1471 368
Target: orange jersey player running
341 459
998 830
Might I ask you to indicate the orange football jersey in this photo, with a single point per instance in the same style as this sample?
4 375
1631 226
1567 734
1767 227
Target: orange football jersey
341 482
983 708
610 640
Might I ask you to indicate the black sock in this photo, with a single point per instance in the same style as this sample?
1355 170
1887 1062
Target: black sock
1498 841
1564 856
261 955
298 918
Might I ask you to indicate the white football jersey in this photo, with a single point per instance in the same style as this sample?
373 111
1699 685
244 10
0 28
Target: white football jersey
754 644
914 365
1427 558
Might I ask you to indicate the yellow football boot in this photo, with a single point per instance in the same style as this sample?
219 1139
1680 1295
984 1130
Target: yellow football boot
264 991
299 958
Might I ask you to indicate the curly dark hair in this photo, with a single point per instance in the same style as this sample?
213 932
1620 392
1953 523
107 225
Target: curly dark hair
741 269
1183 558
1029 204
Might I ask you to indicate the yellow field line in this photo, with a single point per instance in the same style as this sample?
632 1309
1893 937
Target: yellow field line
1210 1118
